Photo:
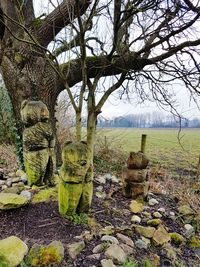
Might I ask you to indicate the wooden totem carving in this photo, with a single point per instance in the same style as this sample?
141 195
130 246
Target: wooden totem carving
38 143
76 179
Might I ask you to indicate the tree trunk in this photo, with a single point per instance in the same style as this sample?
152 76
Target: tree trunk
78 126
91 129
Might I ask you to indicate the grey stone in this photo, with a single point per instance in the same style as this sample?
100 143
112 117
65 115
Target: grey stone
189 229
157 214
162 210
141 244
116 253
111 239
135 219
125 239
100 195
16 180
26 194
100 179
2 182
75 248
127 249
98 249
107 263
94 256
153 202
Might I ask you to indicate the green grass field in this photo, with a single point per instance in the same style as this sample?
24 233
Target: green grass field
162 146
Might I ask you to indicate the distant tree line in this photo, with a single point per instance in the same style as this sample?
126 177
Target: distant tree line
149 120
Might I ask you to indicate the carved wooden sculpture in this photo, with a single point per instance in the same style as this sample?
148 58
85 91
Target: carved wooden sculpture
76 179
38 143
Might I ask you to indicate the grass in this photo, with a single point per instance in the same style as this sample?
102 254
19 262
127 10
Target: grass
163 147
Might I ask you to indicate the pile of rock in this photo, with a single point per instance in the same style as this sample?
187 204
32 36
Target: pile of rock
12 182
134 177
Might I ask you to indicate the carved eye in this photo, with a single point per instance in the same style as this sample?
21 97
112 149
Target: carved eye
82 162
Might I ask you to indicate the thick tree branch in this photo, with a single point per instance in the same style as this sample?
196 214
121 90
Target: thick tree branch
64 14
95 64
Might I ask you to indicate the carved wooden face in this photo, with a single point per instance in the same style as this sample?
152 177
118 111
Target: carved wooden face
33 112
74 156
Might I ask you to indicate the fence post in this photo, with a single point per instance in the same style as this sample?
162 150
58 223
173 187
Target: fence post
143 142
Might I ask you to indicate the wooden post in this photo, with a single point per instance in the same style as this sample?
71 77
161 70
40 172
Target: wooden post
143 142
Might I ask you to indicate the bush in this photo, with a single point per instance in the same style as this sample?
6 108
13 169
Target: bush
7 121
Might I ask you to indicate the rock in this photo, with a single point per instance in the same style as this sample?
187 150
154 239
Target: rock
22 176
87 236
145 231
189 230
162 210
3 187
98 249
16 180
171 253
194 242
58 247
100 179
127 249
153 202
107 263
141 244
75 248
2 182
11 201
155 259
157 214
176 238
100 195
94 256
12 250
13 190
20 173
172 214
116 253
187 213
154 222
26 194
114 179
146 214
146 240
8 183
45 195
161 236
111 239
107 230
185 210
99 188
136 207
51 255
135 219
125 239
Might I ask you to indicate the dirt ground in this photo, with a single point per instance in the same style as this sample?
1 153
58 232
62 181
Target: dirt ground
41 223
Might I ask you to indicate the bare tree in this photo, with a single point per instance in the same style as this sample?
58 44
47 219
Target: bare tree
145 45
